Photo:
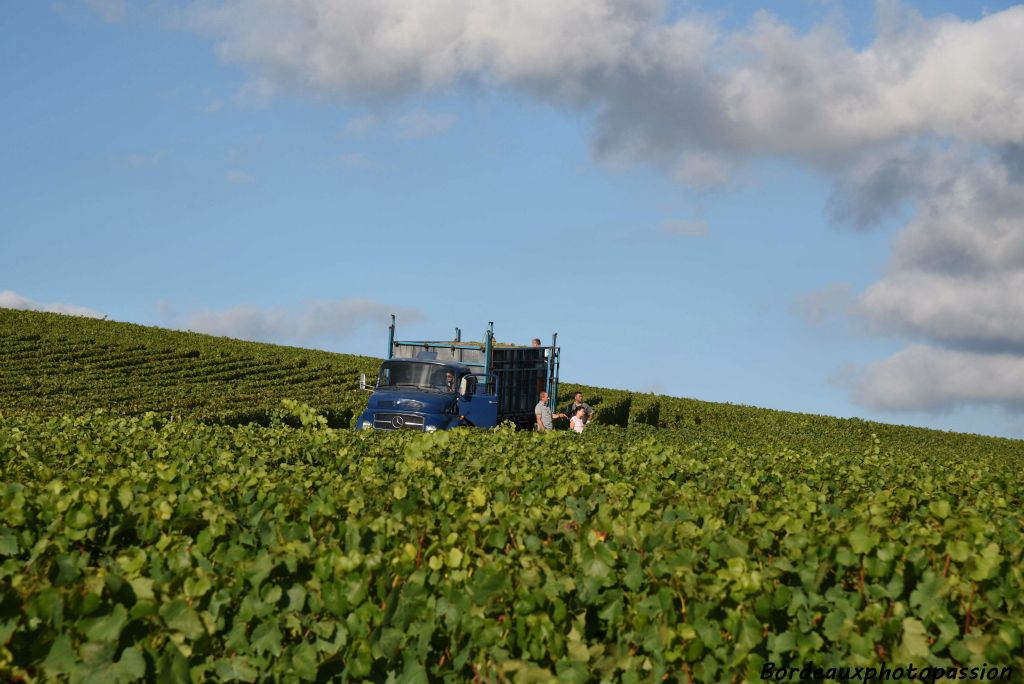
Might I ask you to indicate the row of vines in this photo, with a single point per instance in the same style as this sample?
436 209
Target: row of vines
56 364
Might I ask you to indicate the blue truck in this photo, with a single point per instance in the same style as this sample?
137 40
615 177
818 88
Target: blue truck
429 385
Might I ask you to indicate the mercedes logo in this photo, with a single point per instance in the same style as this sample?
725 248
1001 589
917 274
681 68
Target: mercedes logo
397 422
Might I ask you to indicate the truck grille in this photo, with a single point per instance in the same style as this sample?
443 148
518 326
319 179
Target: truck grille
397 421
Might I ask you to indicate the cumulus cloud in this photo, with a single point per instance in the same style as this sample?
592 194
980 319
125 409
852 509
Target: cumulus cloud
969 221
309 322
12 300
931 378
985 312
662 91
924 124
957 268
878 186
1012 156
954 281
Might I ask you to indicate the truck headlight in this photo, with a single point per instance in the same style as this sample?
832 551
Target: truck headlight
430 428
367 425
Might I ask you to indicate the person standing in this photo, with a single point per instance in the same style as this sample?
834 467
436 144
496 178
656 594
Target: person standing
578 403
577 422
542 412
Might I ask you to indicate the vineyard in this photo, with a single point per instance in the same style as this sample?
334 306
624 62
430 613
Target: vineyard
188 508
57 365
62 364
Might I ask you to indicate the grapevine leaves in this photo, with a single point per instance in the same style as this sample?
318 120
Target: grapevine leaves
176 552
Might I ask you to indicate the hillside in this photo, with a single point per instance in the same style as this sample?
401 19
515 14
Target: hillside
55 364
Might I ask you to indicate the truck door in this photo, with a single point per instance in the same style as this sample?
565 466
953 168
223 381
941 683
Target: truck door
475 404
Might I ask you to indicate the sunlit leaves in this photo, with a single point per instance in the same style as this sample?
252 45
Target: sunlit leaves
132 547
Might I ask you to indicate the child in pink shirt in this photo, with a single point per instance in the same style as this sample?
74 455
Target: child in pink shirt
576 422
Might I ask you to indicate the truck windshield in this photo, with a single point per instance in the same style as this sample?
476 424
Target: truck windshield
427 376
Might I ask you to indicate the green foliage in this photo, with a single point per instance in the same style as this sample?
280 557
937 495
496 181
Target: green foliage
611 407
645 409
207 521
757 428
131 547
57 364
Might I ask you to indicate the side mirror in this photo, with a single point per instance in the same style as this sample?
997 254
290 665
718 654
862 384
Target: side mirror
468 386
363 385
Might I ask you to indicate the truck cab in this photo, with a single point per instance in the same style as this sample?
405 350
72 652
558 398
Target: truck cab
438 385
425 395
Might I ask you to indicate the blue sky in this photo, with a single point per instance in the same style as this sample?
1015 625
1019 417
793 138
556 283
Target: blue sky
812 206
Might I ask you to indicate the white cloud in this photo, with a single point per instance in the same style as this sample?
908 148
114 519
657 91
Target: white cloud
661 91
930 378
420 124
957 268
685 227
309 322
12 300
954 280
242 322
960 310
969 220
